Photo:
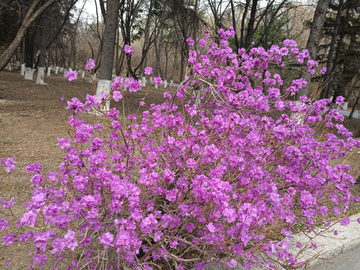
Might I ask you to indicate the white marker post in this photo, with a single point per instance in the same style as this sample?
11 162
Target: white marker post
143 81
92 77
40 76
29 72
48 71
22 70
104 86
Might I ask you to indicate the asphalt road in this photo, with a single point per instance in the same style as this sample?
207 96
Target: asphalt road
344 261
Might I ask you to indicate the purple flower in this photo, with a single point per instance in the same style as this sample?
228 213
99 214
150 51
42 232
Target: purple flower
62 99
117 96
191 163
202 43
158 235
211 227
90 64
157 80
113 113
8 262
63 143
75 105
91 101
4 225
148 70
71 75
33 168
118 83
106 239
340 100
9 204
70 239
58 245
345 221
128 50
37 179
132 85
190 41
9 164
9 239
323 70
28 219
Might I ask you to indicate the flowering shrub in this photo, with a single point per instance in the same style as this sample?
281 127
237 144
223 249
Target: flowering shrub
206 176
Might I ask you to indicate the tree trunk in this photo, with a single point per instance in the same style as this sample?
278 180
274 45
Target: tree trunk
250 29
22 71
353 108
243 23
29 55
313 43
146 37
234 25
41 64
112 14
158 56
182 67
325 91
30 17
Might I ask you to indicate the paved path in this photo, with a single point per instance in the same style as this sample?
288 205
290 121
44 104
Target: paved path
344 261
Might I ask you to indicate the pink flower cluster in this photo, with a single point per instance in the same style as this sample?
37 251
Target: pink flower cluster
220 182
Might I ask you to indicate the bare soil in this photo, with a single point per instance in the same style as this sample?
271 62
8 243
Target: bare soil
31 119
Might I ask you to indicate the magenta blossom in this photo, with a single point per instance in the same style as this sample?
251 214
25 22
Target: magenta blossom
4 225
63 143
190 41
148 70
75 105
340 100
71 75
117 95
157 80
9 164
323 70
90 64
132 85
128 50
345 221
106 239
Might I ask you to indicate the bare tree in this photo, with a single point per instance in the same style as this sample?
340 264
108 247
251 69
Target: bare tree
33 13
313 42
111 25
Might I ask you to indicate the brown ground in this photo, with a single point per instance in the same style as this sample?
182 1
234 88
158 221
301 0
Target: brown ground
31 119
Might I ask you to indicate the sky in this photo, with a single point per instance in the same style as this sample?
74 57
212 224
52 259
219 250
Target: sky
89 9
